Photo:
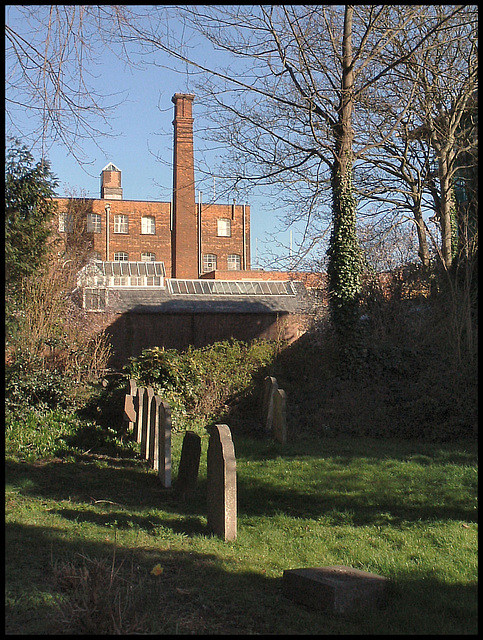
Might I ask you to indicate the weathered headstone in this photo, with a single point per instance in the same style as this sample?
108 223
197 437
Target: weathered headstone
162 455
146 418
336 589
132 387
269 387
221 483
154 426
189 464
129 412
279 421
138 406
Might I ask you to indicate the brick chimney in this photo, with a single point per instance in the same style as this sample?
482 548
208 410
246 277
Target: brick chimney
111 182
184 235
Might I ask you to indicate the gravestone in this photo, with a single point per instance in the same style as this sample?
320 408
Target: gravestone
221 483
129 412
189 464
154 426
132 387
146 419
138 407
162 459
335 589
279 421
269 387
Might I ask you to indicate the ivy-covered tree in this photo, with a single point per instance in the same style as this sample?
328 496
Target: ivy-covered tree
29 188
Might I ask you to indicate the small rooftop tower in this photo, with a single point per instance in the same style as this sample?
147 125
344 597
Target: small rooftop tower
111 182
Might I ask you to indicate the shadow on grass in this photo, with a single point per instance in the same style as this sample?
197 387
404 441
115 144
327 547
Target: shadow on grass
193 594
196 594
343 450
109 486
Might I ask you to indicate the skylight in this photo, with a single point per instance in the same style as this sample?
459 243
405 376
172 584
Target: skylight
231 287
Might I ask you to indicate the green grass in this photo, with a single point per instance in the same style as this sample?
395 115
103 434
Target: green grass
85 529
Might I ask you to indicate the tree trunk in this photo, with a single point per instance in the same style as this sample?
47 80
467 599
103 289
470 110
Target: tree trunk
423 251
445 212
344 267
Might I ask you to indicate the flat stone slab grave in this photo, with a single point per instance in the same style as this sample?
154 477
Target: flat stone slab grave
336 589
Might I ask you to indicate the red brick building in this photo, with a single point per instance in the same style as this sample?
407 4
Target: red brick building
177 273
189 237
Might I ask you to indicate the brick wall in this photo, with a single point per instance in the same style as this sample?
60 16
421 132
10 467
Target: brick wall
223 246
130 333
134 242
176 241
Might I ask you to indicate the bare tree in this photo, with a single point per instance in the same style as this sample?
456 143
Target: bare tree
52 52
290 111
445 75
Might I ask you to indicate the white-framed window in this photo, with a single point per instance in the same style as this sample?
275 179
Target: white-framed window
66 222
93 223
224 227
148 257
234 262
148 225
121 224
121 256
95 299
209 262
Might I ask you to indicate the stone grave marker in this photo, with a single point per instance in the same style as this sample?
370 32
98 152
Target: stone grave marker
129 411
269 387
221 483
154 426
146 420
132 387
337 589
279 421
162 449
138 407
189 464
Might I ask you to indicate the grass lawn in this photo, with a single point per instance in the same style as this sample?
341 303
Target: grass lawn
95 544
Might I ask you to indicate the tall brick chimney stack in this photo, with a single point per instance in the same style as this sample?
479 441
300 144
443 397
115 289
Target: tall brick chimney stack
184 235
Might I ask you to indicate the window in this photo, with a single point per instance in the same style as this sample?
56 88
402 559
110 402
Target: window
224 227
209 262
96 256
234 262
95 299
460 190
148 225
121 256
120 224
66 222
93 223
148 257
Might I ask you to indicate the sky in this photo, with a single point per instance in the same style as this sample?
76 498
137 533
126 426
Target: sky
141 146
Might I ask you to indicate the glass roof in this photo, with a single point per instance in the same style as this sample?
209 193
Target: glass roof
135 269
231 287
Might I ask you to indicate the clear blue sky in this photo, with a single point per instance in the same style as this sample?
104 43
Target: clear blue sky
141 146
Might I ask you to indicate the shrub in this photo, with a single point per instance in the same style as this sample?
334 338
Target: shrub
37 433
27 383
200 384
